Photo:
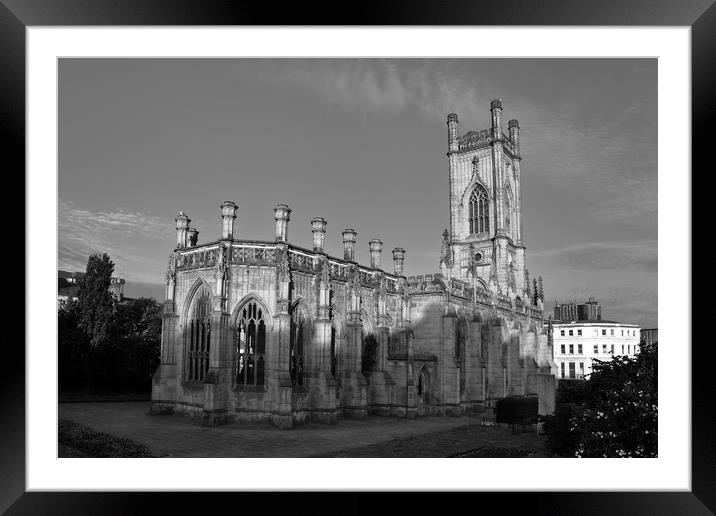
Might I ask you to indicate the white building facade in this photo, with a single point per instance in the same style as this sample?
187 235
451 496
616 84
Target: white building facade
578 343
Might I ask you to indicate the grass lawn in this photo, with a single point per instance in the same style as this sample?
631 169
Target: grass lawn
80 441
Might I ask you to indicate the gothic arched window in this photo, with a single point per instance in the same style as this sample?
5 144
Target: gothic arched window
199 333
251 346
479 211
295 352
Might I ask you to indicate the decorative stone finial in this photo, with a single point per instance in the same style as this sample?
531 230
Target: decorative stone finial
398 260
376 248
318 227
496 104
182 225
282 214
228 215
349 242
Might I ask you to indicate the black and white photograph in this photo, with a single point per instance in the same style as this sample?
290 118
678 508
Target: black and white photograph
357 257
428 252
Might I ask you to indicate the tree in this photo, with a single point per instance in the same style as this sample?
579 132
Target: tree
96 303
134 344
611 414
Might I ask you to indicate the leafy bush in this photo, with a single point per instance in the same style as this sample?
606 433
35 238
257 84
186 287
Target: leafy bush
105 344
611 414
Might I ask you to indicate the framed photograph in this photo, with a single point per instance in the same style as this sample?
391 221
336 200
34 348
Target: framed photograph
335 238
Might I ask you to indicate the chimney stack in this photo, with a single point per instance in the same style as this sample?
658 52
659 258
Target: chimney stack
282 214
228 214
182 225
398 260
376 248
318 227
349 243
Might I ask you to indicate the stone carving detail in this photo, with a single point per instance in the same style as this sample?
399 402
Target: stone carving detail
172 268
198 260
300 261
446 252
474 139
325 271
222 262
253 254
282 265
513 280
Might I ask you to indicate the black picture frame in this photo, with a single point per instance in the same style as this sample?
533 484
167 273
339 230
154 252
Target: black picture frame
17 15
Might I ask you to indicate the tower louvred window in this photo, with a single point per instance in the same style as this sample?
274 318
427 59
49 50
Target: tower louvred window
479 213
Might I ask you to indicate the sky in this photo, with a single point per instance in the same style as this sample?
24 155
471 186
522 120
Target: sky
362 143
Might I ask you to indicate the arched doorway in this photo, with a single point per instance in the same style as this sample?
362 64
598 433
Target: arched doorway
423 392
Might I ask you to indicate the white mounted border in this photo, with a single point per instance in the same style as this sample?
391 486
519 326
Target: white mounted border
671 471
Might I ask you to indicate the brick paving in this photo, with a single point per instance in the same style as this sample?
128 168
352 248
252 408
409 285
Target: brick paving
181 436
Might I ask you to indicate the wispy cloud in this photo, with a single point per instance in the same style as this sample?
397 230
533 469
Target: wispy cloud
383 86
122 234
620 255
612 166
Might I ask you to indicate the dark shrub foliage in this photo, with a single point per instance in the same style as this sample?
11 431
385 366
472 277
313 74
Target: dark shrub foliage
127 337
612 414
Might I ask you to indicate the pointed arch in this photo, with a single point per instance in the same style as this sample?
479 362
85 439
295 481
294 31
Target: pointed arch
474 183
197 334
478 280
198 284
423 386
249 298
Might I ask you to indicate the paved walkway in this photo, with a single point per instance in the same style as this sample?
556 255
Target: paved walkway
181 436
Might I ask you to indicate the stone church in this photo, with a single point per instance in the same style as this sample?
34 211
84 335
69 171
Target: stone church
270 331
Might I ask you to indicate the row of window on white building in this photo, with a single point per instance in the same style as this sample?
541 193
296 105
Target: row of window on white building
605 349
596 332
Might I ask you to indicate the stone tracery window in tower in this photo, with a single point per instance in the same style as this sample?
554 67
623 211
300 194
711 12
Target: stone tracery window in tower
251 346
295 354
479 214
199 333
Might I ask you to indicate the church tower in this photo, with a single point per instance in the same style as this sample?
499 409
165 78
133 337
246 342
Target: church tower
485 240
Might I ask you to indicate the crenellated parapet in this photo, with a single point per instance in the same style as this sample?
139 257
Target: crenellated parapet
475 140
